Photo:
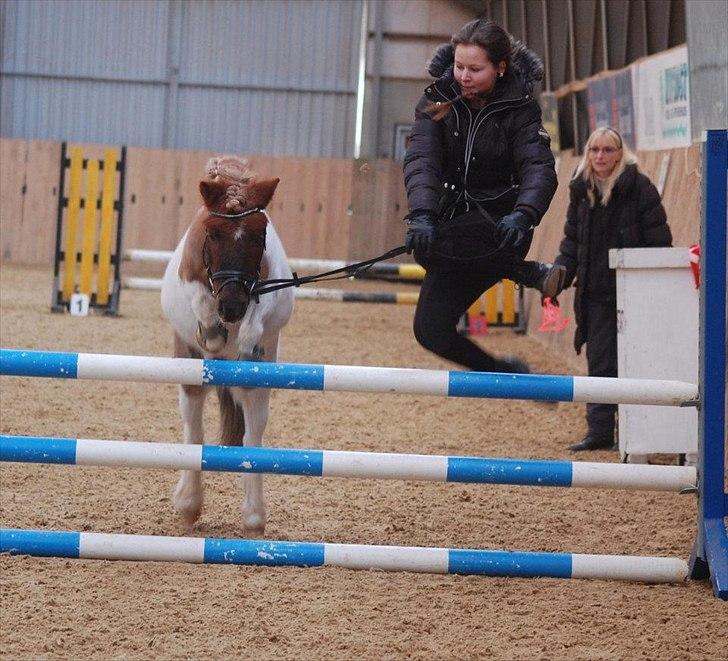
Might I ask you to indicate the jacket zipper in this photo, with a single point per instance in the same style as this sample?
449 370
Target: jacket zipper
470 140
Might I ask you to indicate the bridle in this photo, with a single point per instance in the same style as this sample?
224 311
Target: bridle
248 280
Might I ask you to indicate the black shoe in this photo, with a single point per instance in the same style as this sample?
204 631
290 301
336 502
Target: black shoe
551 281
590 442
514 365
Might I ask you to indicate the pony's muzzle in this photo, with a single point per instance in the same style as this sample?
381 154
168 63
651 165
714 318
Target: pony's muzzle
232 310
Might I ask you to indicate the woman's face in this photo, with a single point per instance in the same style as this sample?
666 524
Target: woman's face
474 71
604 154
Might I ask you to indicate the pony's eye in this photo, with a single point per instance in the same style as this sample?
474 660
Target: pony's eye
214 235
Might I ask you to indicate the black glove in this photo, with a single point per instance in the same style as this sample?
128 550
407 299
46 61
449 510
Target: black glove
420 232
512 231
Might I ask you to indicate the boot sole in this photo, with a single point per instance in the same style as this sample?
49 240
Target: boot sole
554 282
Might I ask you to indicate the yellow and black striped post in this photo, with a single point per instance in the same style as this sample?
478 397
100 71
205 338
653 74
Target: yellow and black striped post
499 307
87 247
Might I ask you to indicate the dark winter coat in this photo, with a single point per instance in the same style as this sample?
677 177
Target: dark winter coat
509 164
634 208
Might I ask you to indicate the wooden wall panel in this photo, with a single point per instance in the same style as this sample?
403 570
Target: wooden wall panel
38 228
12 179
189 170
151 201
379 204
545 248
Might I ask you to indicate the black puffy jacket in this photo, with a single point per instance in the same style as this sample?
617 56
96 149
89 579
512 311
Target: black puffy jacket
635 209
499 155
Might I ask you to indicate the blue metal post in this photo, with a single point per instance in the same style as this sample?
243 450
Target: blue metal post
710 554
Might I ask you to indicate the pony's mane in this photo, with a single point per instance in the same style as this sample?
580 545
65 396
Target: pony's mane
236 173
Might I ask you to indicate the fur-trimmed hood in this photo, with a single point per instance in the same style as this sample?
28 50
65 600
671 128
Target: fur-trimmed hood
523 61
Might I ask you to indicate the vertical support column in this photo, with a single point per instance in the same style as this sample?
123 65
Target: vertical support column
171 101
710 554
72 214
108 190
56 301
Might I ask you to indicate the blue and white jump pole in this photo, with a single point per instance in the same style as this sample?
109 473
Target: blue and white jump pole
336 463
298 376
102 546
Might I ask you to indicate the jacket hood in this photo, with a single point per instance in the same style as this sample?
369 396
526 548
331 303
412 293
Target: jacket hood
525 64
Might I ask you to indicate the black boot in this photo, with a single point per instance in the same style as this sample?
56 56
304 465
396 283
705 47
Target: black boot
551 281
546 278
593 442
513 365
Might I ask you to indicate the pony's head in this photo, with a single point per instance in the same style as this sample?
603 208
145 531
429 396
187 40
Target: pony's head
234 227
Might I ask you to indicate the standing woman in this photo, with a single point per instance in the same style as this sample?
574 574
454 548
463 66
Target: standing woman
479 175
612 205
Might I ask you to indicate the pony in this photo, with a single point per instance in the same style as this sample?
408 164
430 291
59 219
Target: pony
209 298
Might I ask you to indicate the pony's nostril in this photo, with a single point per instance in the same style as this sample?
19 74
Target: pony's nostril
231 311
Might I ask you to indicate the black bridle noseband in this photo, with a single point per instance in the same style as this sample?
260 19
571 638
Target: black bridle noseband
247 280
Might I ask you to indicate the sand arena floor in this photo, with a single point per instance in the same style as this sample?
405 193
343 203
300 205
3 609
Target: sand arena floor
69 609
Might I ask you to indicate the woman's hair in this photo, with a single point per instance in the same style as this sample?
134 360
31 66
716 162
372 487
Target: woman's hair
492 38
585 171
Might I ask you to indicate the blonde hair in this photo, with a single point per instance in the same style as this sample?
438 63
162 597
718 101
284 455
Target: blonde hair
585 171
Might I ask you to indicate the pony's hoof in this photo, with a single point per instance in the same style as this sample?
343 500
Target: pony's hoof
254 523
188 506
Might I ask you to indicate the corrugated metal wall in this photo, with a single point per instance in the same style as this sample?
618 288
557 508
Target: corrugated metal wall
707 26
256 76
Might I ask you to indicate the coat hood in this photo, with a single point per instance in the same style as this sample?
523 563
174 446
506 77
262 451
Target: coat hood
524 63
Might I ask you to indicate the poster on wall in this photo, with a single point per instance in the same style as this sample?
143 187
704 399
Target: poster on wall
661 90
610 104
550 119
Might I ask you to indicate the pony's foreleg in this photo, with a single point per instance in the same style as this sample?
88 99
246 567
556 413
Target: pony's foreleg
187 496
256 404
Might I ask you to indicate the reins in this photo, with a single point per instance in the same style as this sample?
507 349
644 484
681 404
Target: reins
348 271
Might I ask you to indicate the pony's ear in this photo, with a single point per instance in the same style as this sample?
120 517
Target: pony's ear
263 190
212 191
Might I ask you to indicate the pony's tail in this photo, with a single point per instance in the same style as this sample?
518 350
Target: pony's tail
232 420
439 110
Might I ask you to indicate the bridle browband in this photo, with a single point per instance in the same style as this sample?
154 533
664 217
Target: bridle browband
247 280
255 287
242 214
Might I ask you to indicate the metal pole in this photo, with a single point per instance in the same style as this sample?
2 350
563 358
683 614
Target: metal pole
174 28
605 36
572 74
361 78
376 95
547 51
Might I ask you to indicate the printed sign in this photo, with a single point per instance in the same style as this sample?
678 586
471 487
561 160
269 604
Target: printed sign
610 104
78 305
661 88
